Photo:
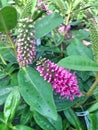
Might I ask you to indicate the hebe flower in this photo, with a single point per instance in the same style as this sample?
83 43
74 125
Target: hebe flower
43 6
62 80
26 42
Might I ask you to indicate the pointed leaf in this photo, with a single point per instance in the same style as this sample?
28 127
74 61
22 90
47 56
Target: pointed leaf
81 63
72 118
47 123
47 24
94 107
37 92
11 104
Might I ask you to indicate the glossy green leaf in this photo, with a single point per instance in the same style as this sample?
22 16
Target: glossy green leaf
94 107
47 24
76 47
64 104
72 118
93 121
47 123
3 127
26 116
81 63
8 18
23 127
81 34
7 53
37 92
11 104
4 91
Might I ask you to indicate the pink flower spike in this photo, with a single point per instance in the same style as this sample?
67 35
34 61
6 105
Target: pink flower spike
62 80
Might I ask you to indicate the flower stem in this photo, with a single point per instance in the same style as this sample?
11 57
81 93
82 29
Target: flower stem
90 92
11 42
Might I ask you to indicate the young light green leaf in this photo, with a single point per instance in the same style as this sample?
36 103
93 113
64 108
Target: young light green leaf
93 118
47 123
94 107
11 104
81 63
47 24
4 3
8 18
23 127
72 118
37 92
3 126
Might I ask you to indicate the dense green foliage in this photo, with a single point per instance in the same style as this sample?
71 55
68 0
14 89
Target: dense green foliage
66 32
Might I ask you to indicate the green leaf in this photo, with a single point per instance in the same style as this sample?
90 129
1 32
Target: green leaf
1 117
93 118
26 116
7 53
47 123
4 2
8 18
63 104
81 34
37 92
47 24
23 127
94 107
72 118
81 63
11 104
4 91
77 48
3 127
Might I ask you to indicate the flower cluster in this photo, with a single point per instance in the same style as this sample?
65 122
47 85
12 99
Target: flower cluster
43 6
64 29
26 42
62 80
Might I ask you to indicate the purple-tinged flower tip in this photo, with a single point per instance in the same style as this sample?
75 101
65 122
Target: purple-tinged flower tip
61 29
68 27
49 12
62 80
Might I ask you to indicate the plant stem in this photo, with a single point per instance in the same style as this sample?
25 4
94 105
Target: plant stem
69 14
90 92
4 62
11 42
